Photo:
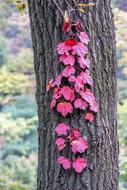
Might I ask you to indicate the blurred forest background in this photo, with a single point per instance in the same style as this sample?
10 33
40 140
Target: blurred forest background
18 115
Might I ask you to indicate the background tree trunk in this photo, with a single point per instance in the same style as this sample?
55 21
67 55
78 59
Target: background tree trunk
102 171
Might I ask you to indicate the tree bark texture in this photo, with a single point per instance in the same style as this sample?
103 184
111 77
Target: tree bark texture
102 155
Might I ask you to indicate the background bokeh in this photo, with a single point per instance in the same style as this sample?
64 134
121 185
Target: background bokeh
18 116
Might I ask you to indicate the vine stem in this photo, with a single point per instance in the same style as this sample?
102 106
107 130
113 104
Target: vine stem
79 68
58 7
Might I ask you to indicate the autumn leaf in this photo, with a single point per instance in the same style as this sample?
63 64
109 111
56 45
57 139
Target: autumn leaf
62 129
64 162
79 164
86 5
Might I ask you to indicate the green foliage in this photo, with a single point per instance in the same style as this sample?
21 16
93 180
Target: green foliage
18 134
122 123
24 107
22 63
13 83
121 28
21 5
17 173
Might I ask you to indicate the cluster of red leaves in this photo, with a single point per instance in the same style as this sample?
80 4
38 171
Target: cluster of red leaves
78 145
72 90
73 54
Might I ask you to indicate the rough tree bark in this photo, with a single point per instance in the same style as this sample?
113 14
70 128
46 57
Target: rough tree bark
102 171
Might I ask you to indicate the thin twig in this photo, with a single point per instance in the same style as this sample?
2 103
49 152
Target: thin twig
58 7
69 5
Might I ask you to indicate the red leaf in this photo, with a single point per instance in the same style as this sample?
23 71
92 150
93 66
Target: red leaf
64 108
60 142
57 81
68 60
79 145
64 162
68 93
68 71
84 38
80 49
66 26
78 84
74 135
72 79
84 63
63 57
86 78
88 96
78 103
62 129
79 164
71 42
89 117
84 105
63 48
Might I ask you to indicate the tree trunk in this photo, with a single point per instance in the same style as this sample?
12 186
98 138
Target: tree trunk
102 156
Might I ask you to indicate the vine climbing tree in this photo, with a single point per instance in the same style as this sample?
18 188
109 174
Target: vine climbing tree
75 67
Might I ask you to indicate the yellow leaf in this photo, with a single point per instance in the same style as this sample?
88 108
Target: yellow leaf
66 16
81 10
86 5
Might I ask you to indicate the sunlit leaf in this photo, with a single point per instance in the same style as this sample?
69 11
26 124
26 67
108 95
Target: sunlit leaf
81 10
86 5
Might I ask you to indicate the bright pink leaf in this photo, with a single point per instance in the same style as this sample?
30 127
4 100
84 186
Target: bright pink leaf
52 104
68 93
88 96
63 57
62 129
86 78
60 142
94 107
63 48
84 63
64 162
89 117
78 84
69 60
57 81
72 79
64 108
80 49
84 38
78 103
74 135
68 71
79 164
79 145
84 105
